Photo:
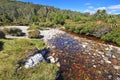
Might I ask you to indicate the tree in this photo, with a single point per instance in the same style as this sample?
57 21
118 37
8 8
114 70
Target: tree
100 15
59 19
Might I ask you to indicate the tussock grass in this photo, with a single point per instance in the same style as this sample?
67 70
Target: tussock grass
12 51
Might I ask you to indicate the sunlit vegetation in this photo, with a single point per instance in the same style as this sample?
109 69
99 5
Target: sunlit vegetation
20 13
13 31
113 36
100 25
13 50
34 34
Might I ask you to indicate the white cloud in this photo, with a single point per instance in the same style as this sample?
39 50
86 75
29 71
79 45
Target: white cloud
87 4
101 8
90 11
112 9
117 7
90 7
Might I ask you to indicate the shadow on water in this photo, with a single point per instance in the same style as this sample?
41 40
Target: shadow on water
1 45
66 44
23 34
59 75
41 36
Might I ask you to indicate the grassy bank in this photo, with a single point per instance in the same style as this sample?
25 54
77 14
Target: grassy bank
102 31
13 50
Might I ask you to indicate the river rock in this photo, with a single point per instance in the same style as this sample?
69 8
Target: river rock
33 60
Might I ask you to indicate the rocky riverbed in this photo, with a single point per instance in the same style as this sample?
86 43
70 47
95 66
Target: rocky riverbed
83 59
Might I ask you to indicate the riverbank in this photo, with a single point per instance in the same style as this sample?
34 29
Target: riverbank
90 38
83 57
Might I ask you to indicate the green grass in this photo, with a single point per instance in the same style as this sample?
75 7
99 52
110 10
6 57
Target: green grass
14 50
34 28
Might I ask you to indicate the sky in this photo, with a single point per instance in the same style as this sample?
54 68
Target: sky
112 6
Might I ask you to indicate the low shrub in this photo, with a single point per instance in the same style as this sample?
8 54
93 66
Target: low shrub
34 34
87 29
77 29
2 34
13 31
33 27
113 36
67 27
72 28
49 25
98 32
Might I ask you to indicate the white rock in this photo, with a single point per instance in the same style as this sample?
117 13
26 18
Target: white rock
84 46
33 60
113 56
116 67
58 64
107 48
94 66
52 59
108 62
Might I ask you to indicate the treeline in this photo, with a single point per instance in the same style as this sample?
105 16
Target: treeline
20 13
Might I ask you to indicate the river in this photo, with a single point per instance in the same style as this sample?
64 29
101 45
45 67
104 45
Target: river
83 59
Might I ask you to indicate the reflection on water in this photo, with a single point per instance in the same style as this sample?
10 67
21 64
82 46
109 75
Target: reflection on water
84 60
65 43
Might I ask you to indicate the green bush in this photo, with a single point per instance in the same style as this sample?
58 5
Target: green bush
49 25
33 27
59 19
13 31
2 34
87 29
77 29
113 36
77 19
72 28
34 34
101 30
67 27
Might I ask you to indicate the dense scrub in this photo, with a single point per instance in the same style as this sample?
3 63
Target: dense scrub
104 32
113 36
34 34
13 31
14 50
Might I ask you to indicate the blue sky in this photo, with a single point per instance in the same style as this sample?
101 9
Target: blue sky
112 6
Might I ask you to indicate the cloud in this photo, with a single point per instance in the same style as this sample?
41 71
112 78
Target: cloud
91 11
87 4
115 7
90 7
101 8
112 9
